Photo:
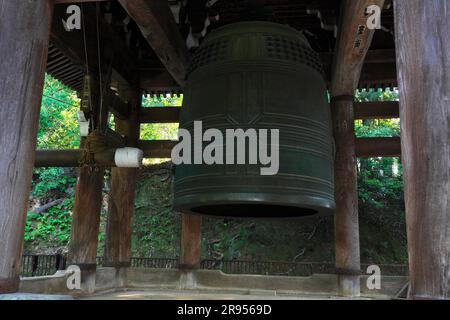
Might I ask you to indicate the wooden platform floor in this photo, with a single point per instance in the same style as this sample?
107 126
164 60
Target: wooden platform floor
193 295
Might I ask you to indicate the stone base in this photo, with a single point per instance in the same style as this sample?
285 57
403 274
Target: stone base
114 279
9 285
349 286
31 296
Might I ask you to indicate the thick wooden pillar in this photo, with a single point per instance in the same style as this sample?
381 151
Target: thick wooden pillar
86 218
353 42
422 31
191 241
121 197
88 200
24 35
346 197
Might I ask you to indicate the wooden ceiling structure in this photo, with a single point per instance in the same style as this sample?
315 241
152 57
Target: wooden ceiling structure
157 64
127 47
162 70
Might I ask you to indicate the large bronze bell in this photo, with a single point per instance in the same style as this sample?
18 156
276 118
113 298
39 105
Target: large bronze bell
259 75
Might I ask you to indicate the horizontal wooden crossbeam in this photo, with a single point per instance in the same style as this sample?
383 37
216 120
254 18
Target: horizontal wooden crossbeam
70 158
378 147
373 75
378 68
160 115
76 1
363 110
365 148
376 110
157 148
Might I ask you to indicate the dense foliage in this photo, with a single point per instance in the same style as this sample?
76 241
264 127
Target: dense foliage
49 230
156 227
160 131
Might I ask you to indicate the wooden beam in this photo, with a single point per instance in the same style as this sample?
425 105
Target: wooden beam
115 139
85 225
378 147
365 147
353 42
157 148
422 31
191 241
24 34
88 197
72 157
72 44
118 106
160 115
352 45
376 110
346 197
377 74
122 195
158 26
58 158
363 110
378 70
158 81
372 56
76 1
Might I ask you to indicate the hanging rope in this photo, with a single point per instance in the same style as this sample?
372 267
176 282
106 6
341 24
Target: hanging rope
100 75
95 142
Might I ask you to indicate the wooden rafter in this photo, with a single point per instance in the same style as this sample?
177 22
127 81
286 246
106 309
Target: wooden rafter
353 43
159 28
73 46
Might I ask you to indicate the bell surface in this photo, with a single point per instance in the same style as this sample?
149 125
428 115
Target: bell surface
259 75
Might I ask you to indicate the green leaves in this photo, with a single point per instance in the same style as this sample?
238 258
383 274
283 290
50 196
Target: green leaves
58 125
160 131
162 101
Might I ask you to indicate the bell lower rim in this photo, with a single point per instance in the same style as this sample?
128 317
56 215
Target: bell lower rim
254 205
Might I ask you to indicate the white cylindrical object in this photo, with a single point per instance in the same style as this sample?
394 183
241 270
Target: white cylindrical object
84 129
81 116
84 124
128 157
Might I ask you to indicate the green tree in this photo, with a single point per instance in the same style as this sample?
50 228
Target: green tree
58 126
160 131
380 189
49 230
